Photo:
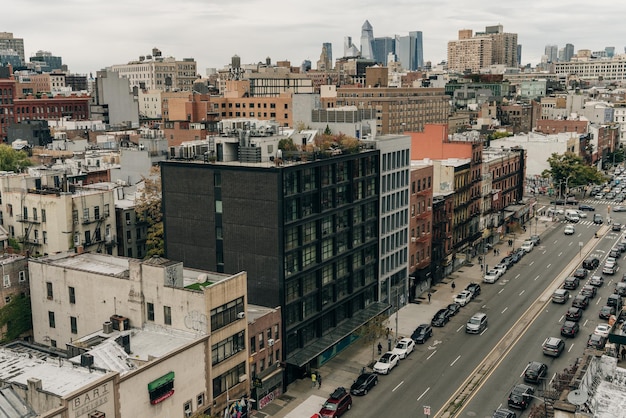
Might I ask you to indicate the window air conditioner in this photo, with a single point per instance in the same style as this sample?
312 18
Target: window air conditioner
128 222
270 342
413 239
241 315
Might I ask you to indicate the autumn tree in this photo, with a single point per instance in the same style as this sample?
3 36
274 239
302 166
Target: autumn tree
13 160
570 168
149 209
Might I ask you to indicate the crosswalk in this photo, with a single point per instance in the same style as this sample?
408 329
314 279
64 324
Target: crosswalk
581 222
602 202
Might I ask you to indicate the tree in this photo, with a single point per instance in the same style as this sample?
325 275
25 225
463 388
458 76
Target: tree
17 316
372 330
149 209
570 169
12 160
286 144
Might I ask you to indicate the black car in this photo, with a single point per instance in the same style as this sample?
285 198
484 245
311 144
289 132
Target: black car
580 273
571 283
474 289
606 312
364 383
591 263
507 261
596 341
453 308
586 207
441 318
616 226
535 371
580 301
422 333
570 329
589 290
614 253
521 396
574 314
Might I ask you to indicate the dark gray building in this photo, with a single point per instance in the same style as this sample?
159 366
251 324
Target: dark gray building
306 232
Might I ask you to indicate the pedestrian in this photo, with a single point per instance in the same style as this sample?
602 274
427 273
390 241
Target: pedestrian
380 348
524 228
480 259
363 370
495 251
313 379
429 295
623 353
481 267
319 381
453 286
498 252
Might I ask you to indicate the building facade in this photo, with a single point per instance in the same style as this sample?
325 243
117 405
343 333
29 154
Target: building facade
420 247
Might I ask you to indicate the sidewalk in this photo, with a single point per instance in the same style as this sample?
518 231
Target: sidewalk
345 367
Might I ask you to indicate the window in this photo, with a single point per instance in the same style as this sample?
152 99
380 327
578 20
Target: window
6 280
45 237
261 342
53 343
200 399
187 408
72 293
73 325
167 315
150 309
252 345
7 299
226 314
228 347
49 292
51 321
75 216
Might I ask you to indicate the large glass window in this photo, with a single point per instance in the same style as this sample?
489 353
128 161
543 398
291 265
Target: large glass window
226 314
291 238
309 256
292 291
310 232
327 249
228 347
308 284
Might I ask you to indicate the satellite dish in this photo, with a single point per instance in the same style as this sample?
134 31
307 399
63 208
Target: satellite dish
578 397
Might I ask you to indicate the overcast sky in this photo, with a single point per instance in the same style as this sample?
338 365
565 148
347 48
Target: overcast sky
90 35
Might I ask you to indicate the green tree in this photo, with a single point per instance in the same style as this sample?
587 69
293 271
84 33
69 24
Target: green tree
17 316
372 331
148 208
12 160
286 144
570 169
327 131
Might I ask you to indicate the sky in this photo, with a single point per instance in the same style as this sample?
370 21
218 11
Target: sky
90 35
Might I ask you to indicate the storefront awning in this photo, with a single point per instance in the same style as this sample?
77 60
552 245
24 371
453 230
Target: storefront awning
302 356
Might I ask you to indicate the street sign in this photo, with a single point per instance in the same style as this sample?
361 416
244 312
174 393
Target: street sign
426 410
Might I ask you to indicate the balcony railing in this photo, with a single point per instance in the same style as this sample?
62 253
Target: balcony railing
22 218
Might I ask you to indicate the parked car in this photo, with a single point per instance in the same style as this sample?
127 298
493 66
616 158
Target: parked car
571 283
574 314
386 363
337 404
536 239
569 230
606 312
474 288
609 269
527 246
597 219
364 383
560 296
614 253
504 413
440 318
589 291
596 341
580 301
596 281
581 273
492 276
570 329
619 208
591 263
620 288
500 268
617 226
553 346
422 333
521 396
602 330
463 298
507 261
453 308
404 347
535 371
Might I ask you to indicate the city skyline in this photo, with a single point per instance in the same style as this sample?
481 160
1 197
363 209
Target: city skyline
92 35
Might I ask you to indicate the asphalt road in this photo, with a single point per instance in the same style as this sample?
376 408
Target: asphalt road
494 391
434 372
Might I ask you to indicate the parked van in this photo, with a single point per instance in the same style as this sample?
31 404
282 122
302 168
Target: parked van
476 324
572 215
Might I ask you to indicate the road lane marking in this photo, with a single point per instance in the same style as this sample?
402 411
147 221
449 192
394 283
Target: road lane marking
560 254
561 318
548 266
522 292
504 310
536 277
585 323
570 348
516 276
482 333
531 263
545 251
399 384
598 301
428 358
455 360
460 328
552 378
501 290
422 395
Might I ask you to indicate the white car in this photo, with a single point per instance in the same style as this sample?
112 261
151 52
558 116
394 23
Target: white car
492 276
603 330
500 268
463 298
388 361
528 246
404 347
582 214
569 230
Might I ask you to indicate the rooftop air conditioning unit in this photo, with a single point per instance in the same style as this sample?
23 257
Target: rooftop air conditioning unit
241 315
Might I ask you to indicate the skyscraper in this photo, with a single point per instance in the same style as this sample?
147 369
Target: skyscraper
381 48
349 49
568 52
367 36
552 53
493 46
7 41
329 53
410 50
